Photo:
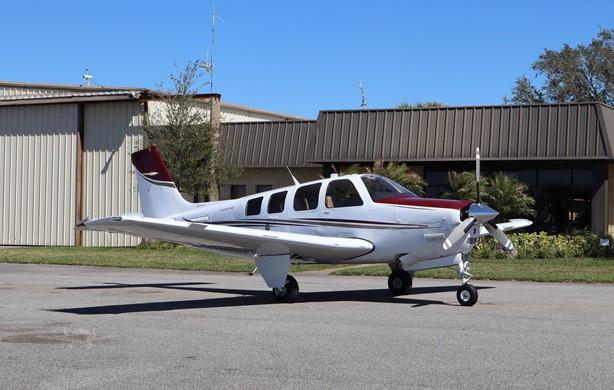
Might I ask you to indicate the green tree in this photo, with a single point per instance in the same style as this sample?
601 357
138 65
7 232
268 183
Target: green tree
525 92
504 193
182 130
509 196
462 186
433 104
400 173
573 74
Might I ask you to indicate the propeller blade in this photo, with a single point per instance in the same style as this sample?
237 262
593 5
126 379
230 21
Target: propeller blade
501 238
458 233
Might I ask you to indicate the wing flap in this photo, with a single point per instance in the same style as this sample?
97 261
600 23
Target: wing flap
263 242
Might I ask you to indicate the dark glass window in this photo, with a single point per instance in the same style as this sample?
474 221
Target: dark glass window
437 183
237 191
263 188
380 187
306 197
342 193
253 206
276 202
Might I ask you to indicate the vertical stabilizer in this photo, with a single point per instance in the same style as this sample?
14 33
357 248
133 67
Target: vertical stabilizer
157 192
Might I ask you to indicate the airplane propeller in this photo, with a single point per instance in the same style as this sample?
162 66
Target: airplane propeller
480 214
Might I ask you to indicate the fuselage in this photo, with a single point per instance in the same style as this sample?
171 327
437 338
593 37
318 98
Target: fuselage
369 207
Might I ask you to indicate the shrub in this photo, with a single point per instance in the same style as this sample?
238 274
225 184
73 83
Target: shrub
542 245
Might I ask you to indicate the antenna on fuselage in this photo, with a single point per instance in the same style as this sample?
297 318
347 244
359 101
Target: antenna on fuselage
296 182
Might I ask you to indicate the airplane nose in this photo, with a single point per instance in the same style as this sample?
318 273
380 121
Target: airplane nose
482 213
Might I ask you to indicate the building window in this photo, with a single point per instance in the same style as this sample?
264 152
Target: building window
263 188
253 206
276 202
306 197
342 193
237 191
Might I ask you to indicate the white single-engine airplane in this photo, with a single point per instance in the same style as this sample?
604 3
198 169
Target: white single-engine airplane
352 219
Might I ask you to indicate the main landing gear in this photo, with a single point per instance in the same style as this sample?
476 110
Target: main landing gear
288 292
399 282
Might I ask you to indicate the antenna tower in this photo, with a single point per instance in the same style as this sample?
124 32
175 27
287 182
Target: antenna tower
363 97
208 64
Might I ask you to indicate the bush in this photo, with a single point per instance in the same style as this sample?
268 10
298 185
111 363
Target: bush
542 245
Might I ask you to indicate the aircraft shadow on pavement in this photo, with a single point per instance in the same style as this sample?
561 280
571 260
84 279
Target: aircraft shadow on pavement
249 298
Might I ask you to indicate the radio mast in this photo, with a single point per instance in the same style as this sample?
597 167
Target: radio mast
363 97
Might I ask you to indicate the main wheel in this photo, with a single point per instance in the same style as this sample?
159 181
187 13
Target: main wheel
288 292
399 282
467 295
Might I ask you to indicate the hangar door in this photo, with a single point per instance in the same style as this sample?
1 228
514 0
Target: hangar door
38 145
112 132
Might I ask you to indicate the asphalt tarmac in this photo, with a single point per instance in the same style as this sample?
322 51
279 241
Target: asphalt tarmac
65 327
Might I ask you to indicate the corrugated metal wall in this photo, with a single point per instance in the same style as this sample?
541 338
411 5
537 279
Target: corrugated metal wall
112 132
561 131
267 144
38 147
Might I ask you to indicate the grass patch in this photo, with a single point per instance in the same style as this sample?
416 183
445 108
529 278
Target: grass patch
166 257
585 270
589 270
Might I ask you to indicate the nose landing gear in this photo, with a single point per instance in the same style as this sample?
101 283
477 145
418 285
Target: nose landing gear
467 295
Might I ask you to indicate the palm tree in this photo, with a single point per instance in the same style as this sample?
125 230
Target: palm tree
400 173
504 193
509 196
462 186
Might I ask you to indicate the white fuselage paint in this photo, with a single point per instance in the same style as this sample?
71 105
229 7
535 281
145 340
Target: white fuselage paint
409 233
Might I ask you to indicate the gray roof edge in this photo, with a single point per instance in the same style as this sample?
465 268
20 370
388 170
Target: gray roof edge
382 109
67 87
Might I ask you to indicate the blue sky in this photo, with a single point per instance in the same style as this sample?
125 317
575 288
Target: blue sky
298 57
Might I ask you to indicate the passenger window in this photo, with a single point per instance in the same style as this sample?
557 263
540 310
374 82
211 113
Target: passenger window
306 197
253 206
276 202
342 193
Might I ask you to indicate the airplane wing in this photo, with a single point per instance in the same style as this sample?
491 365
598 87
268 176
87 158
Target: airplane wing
512 224
263 242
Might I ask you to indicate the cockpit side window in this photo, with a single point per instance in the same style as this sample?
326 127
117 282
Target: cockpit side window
306 197
380 187
342 193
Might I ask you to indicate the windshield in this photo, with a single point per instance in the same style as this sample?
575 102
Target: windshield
380 187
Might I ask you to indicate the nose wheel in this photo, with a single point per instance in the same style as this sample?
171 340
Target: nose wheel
467 295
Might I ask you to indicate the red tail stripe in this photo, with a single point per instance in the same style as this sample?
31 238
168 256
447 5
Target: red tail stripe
149 162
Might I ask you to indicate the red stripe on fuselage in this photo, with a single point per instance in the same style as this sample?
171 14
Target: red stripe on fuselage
408 200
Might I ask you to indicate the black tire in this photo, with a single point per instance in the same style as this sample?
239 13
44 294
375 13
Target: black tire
399 282
467 295
289 292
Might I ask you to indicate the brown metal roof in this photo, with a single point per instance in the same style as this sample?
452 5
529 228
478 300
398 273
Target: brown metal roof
267 144
509 132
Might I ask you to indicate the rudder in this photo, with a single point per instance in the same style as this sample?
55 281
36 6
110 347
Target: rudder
157 191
